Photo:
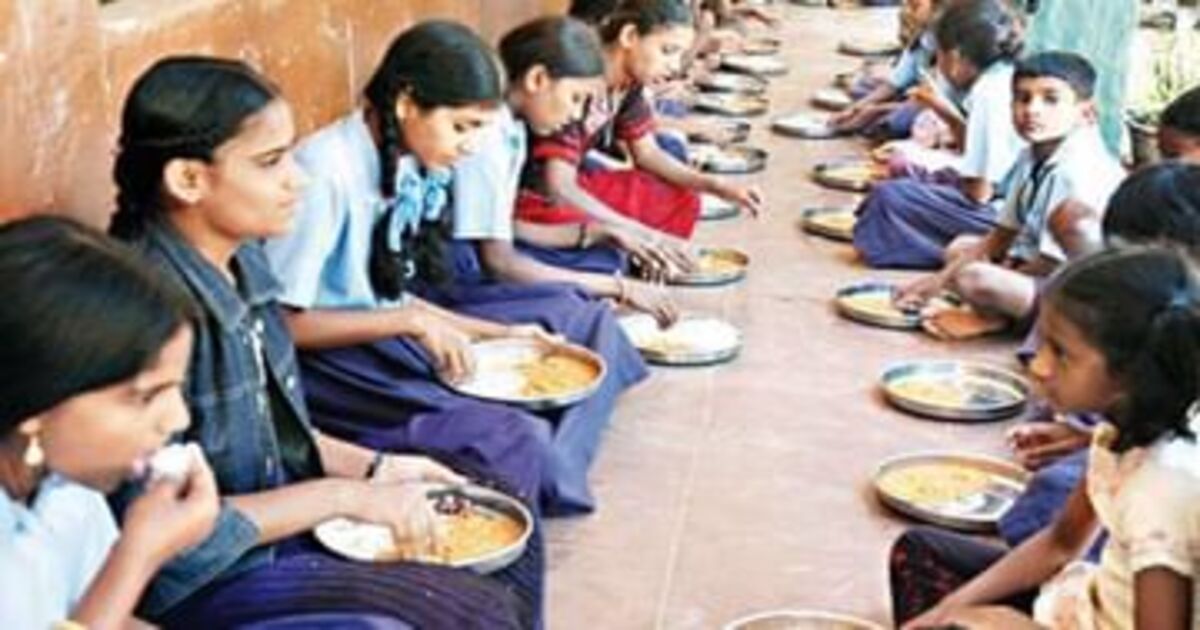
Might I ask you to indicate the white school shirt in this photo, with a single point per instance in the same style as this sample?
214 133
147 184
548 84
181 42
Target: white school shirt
323 261
906 72
1080 169
991 144
50 551
1148 499
486 182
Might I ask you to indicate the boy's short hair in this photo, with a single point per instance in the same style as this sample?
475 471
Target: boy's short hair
1065 66
1184 112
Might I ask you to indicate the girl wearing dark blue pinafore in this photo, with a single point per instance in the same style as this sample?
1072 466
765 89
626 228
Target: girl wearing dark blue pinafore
379 321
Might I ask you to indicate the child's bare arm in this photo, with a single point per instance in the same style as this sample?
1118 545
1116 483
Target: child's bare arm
1162 599
1076 227
1032 563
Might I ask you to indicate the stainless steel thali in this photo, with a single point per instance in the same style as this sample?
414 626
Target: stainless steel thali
694 340
370 542
729 265
728 160
833 223
502 372
961 491
955 390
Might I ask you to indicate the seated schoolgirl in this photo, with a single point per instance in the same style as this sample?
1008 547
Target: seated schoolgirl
884 103
650 209
1159 204
372 303
907 222
204 174
1060 186
1121 337
553 65
93 353
1179 128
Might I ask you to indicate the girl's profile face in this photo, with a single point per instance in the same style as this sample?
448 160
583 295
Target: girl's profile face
957 69
253 183
440 136
1073 373
657 56
102 437
915 15
550 104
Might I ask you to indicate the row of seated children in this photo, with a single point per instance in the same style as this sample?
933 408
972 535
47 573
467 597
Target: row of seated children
1118 335
305 306
1116 339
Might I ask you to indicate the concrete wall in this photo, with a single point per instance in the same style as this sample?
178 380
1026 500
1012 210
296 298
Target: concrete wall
65 66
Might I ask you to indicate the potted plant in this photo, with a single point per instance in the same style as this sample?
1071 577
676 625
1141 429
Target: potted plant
1171 67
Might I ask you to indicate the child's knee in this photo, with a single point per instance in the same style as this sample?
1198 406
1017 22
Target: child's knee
974 283
960 246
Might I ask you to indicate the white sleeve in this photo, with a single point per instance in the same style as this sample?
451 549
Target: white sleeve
990 146
485 189
298 258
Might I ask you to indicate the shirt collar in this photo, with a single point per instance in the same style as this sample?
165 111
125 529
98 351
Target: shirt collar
256 285
1083 139
358 135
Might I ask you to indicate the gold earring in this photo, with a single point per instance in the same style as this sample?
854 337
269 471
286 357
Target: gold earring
34 455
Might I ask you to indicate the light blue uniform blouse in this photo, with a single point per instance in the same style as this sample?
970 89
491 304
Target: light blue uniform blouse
487 181
323 261
50 551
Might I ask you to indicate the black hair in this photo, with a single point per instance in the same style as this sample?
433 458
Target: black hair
84 312
982 31
182 107
1069 67
566 47
1183 113
591 12
436 64
1140 308
648 16
1160 203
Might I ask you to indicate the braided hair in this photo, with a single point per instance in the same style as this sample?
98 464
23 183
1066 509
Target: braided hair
181 108
436 64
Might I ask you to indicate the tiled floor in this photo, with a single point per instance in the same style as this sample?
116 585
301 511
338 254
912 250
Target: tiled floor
732 489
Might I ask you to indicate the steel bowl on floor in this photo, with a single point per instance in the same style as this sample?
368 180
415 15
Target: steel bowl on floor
532 374
718 266
730 83
739 105
805 125
832 223
852 174
506 521
869 48
961 491
721 131
964 391
729 160
694 340
750 64
832 99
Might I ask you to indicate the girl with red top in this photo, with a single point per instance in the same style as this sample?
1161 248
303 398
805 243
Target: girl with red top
650 209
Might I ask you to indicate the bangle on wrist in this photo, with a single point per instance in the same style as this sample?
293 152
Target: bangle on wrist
375 465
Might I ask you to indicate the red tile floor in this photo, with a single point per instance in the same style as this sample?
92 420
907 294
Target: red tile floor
743 487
